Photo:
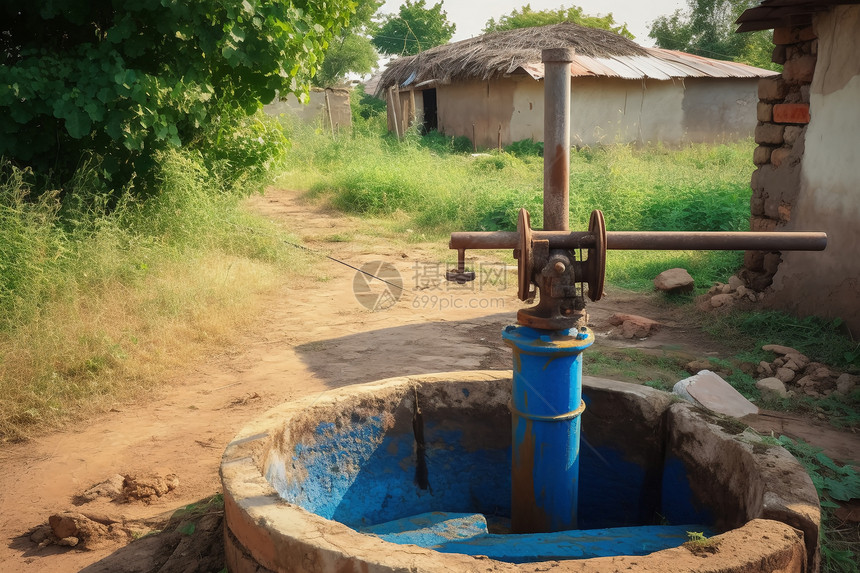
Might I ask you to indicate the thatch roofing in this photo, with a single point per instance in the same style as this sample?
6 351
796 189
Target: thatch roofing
597 53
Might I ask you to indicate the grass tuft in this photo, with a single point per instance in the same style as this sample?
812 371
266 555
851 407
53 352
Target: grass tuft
440 189
103 293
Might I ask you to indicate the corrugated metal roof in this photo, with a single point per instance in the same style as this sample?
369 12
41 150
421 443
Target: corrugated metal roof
659 64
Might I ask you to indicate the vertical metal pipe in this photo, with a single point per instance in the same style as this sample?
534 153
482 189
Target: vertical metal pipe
546 405
556 138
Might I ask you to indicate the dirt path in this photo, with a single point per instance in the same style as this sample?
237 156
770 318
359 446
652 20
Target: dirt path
308 341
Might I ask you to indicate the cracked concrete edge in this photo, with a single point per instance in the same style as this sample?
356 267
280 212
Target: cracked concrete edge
763 480
265 531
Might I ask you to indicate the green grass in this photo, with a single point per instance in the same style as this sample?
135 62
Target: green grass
440 190
658 370
102 292
821 340
840 542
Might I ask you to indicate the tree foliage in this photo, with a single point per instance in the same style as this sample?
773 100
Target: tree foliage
707 28
351 50
414 29
525 17
122 79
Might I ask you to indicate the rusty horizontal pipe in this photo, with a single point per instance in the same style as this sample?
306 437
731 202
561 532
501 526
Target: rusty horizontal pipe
511 239
651 240
715 241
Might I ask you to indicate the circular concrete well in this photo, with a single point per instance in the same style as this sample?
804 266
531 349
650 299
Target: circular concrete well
413 474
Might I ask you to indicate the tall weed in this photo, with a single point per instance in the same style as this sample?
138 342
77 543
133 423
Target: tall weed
101 293
699 187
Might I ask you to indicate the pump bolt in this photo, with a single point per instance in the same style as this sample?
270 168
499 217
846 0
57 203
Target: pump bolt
559 267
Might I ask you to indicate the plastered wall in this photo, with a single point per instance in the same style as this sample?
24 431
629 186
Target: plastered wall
317 110
828 197
604 110
479 108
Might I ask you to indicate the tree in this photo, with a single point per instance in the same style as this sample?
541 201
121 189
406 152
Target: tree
414 29
707 28
351 50
122 79
528 18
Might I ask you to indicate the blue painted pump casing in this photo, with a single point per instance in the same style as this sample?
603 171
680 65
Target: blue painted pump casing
546 408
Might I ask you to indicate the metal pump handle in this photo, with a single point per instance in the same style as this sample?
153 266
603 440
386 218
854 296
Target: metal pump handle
597 240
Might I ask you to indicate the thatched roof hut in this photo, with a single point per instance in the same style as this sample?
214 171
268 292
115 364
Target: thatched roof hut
489 89
597 53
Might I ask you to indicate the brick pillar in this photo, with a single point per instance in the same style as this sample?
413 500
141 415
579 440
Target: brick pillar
783 112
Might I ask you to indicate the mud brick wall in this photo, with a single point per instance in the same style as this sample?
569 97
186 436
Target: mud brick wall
783 113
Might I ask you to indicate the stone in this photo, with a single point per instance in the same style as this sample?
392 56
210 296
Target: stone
742 291
820 372
785 374
800 359
791 364
735 282
771 388
81 531
726 289
799 69
778 55
40 534
711 392
638 328
792 132
805 381
779 349
774 88
769 133
674 281
720 300
148 488
63 525
764 368
68 541
697 366
761 155
764 111
792 35
110 488
846 383
779 155
634 326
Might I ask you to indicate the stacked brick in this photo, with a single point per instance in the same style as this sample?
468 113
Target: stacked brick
783 113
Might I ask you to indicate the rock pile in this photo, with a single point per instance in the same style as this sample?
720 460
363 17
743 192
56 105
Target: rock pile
634 326
793 373
727 295
72 529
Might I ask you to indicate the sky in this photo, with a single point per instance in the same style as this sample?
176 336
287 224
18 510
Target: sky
470 16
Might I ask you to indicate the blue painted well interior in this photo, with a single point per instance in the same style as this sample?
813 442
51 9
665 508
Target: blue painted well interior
363 471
